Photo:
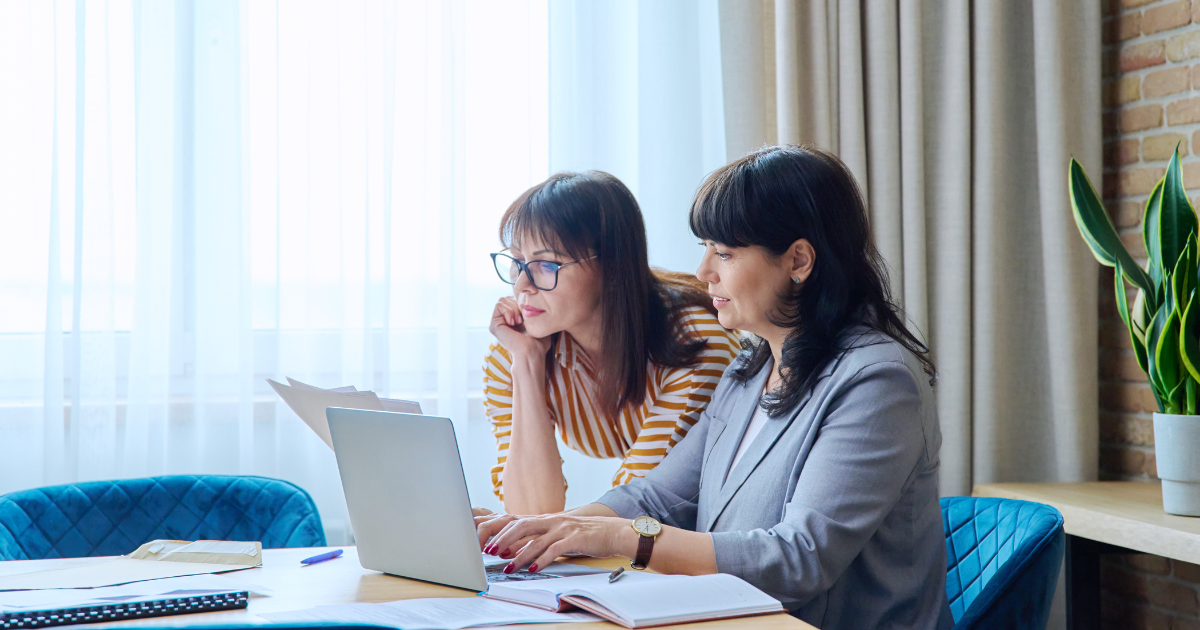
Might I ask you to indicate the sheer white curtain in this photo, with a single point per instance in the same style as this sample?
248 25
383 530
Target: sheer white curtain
199 195
636 90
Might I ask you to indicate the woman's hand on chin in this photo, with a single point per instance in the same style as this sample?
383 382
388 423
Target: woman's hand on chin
508 327
537 540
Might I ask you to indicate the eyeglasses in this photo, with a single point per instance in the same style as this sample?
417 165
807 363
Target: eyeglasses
542 274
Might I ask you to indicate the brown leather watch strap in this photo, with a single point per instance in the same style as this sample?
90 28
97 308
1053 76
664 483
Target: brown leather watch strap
642 558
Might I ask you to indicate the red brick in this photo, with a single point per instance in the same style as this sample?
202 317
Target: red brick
1127 397
1183 46
1191 175
1166 17
1150 468
1118 428
1187 571
1179 598
1108 124
1138 181
1144 117
1121 28
1166 82
1130 4
1147 563
1134 244
1125 460
1121 366
1129 26
1120 579
1144 55
1121 90
1121 152
1127 213
1195 137
1196 76
1184 111
1161 147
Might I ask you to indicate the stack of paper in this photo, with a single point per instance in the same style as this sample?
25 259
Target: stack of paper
17 601
311 402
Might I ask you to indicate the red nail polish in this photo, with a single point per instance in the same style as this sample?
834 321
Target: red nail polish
490 550
510 568
533 568
505 554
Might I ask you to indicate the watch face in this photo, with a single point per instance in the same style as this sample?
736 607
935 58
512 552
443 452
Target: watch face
646 526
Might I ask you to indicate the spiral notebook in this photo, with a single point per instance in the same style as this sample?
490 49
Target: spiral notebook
136 609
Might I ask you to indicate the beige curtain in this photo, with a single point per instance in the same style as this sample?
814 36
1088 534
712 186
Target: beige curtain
958 118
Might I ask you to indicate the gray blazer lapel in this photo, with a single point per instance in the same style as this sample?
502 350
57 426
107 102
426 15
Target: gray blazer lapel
738 408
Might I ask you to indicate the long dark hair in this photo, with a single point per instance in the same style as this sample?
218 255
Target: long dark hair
593 213
773 197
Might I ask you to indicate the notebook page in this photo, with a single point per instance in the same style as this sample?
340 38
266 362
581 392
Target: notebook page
681 598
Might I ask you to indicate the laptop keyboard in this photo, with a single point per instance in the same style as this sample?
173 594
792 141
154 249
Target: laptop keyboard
497 574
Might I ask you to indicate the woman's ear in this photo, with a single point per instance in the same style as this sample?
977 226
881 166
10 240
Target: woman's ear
800 258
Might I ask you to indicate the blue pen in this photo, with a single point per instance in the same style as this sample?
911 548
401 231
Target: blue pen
323 557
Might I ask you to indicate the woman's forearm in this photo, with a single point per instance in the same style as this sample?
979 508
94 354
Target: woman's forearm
533 481
676 551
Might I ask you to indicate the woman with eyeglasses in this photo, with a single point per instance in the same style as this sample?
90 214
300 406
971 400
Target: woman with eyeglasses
618 358
813 473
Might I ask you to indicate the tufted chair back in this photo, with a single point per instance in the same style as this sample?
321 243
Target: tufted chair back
109 518
1002 561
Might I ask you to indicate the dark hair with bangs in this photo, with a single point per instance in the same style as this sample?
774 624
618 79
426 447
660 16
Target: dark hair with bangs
593 213
774 197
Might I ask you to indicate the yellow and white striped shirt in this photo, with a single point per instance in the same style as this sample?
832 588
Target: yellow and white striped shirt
641 436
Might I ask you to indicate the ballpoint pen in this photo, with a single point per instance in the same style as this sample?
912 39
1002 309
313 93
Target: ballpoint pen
616 575
322 557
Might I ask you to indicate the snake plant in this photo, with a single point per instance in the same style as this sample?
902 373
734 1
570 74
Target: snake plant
1164 319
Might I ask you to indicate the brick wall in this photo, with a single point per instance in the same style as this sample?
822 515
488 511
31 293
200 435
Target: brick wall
1151 95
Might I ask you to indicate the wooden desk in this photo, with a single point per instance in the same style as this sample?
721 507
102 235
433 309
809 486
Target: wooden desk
1105 517
344 581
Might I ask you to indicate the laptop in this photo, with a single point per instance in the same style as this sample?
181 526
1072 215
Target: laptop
407 497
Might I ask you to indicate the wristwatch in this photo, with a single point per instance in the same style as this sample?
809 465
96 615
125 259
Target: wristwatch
648 529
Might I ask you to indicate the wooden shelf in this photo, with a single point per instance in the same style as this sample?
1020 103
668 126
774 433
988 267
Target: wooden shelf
1122 513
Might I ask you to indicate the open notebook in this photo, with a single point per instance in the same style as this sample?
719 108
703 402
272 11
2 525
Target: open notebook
640 600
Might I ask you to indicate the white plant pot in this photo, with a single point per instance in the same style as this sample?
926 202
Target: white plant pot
1177 451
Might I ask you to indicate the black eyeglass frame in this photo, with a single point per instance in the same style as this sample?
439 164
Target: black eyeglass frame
524 269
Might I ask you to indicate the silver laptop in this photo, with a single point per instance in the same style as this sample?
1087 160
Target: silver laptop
407 497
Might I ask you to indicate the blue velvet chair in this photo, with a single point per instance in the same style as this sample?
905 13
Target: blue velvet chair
110 518
1002 561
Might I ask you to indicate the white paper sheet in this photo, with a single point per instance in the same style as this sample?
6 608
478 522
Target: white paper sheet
310 405
138 591
450 613
395 405
111 573
311 402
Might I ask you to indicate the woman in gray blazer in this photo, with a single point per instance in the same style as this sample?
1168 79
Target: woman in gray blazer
812 474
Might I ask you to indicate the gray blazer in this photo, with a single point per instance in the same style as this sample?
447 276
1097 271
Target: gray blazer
833 510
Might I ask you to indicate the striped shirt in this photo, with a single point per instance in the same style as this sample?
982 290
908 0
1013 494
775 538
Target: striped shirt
641 436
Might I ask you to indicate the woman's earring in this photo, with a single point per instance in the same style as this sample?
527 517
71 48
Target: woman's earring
796 280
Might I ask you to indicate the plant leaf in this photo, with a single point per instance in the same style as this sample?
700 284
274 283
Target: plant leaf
1190 409
1150 232
1153 335
1098 229
1177 219
1189 344
1166 353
